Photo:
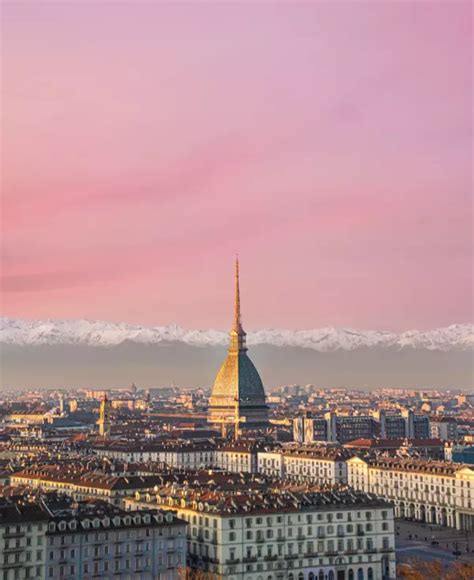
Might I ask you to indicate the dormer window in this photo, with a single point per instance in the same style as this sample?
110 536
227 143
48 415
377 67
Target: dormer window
52 527
72 525
62 525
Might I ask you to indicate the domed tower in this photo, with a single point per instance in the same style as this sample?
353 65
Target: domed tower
238 396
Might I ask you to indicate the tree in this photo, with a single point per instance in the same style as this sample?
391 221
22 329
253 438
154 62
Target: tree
461 571
422 569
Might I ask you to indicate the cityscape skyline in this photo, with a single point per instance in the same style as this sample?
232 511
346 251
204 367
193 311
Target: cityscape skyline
304 411
329 144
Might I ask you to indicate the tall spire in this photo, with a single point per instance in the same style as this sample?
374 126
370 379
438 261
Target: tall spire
237 319
237 334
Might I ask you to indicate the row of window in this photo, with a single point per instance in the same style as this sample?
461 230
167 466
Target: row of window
320 531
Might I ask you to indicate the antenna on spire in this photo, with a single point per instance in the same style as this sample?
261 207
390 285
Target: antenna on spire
237 334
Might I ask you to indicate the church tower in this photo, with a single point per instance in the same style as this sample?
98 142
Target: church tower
238 395
104 418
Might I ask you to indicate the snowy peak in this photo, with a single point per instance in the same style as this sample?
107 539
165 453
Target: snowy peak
108 334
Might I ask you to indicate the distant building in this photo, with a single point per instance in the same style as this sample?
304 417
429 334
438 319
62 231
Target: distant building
426 448
104 417
460 453
417 426
445 428
81 484
309 464
238 397
344 428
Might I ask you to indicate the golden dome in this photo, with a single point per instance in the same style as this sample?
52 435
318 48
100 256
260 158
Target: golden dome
238 389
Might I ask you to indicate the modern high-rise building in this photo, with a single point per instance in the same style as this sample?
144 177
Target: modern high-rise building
238 395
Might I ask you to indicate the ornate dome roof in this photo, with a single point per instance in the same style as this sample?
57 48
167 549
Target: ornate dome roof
238 383
239 379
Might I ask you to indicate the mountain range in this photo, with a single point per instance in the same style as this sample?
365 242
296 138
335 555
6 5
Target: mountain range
83 353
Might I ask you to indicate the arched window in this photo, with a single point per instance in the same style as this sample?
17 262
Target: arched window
360 574
331 575
301 576
370 574
290 576
311 576
351 574
321 575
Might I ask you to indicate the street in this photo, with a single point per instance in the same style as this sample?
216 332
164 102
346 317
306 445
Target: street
414 541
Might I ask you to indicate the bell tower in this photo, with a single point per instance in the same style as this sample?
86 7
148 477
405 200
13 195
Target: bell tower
104 417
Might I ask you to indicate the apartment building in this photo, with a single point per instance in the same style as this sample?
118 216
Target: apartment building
58 539
236 457
332 427
429 491
444 428
103 540
82 484
177 454
22 541
281 534
310 463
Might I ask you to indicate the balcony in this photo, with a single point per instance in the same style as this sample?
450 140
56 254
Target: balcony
260 540
291 556
331 553
249 559
232 561
310 554
370 550
14 534
270 558
280 539
360 533
386 550
351 552
14 549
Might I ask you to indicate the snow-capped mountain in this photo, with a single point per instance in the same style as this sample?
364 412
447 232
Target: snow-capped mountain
457 337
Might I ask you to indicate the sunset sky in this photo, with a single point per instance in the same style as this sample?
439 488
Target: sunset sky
329 144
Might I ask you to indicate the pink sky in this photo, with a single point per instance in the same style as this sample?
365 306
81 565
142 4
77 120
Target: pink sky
330 144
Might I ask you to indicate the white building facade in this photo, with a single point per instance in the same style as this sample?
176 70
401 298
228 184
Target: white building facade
287 537
428 491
